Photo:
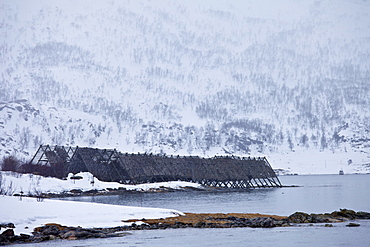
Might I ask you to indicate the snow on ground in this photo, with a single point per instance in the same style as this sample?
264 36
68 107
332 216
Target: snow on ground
304 162
31 184
28 213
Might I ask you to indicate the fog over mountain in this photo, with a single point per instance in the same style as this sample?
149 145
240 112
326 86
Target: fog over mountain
286 79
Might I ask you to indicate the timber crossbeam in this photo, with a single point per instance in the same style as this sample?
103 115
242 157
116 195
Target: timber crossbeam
113 166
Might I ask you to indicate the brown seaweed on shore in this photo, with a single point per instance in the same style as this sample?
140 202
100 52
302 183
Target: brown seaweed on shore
202 220
218 220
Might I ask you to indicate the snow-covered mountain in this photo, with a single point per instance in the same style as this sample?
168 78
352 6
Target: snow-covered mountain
289 80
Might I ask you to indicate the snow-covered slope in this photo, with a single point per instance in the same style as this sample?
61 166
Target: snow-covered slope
288 79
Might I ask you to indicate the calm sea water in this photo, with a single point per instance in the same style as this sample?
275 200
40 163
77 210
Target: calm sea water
316 194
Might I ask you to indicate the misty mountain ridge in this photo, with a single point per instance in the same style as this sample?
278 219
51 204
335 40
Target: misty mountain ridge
287 81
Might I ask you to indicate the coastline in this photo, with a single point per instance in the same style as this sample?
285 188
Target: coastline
54 224
54 231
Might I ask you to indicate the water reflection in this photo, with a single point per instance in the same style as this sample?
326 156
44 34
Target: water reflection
317 194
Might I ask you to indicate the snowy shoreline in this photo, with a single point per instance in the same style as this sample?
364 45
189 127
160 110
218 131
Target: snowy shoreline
32 185
27 213
37 221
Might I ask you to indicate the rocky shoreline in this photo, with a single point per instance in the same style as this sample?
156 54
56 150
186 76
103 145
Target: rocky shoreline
113 191
55 231
248 220
120 191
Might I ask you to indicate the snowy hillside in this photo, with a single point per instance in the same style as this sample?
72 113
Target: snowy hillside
289 80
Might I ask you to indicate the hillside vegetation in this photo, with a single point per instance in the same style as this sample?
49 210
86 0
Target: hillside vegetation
279 79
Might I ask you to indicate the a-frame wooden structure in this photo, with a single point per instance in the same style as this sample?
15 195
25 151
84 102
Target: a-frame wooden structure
111 165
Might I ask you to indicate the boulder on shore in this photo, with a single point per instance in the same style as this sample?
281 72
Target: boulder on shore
336 216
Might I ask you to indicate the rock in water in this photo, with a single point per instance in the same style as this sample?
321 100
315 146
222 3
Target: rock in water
353 225
8 233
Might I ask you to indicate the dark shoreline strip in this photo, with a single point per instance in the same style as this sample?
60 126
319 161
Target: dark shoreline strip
55 231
